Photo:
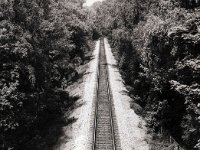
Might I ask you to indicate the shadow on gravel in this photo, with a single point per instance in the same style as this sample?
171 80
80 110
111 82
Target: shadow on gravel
120 80
88 59
63 136
114 66
51 130
125 92
136 107
55 133
83 74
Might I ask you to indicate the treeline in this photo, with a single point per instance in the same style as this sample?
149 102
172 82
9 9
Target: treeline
157 43
41 43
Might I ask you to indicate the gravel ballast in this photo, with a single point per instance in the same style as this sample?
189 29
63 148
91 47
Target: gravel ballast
131 127
78 135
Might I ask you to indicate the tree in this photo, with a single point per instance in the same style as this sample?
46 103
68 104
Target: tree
38 49
156 46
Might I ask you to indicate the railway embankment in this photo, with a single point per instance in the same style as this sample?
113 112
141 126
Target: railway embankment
131 127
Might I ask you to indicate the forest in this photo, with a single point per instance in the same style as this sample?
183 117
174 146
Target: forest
157 46
42 42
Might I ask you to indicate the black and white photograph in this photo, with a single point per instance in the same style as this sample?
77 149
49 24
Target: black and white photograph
99 74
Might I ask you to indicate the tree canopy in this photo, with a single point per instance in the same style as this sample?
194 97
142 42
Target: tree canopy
41 43
157 45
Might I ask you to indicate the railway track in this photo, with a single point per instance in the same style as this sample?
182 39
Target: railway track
105 128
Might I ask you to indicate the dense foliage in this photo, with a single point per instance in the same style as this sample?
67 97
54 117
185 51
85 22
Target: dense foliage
157 44
41 43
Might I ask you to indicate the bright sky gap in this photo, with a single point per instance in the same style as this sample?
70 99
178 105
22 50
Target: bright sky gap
90 2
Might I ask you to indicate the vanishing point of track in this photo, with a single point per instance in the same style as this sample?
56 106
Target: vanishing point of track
105 128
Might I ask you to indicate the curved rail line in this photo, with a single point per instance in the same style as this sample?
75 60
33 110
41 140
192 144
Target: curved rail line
104 129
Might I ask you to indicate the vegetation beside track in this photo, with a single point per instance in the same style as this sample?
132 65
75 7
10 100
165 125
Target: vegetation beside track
157 48
41 45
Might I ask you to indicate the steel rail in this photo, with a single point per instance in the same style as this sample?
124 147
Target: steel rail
102 47
96 99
